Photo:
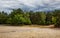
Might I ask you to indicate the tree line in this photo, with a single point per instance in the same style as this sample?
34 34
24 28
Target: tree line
18 16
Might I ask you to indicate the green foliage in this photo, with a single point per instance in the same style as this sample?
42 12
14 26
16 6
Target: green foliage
54 20
17 16
49 18
3 17
43 17
57 15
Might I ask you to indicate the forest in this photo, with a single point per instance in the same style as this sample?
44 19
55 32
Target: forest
18 16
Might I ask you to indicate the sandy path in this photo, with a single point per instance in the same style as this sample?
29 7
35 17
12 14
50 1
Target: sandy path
27 32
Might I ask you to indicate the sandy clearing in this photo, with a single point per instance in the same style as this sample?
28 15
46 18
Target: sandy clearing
27 32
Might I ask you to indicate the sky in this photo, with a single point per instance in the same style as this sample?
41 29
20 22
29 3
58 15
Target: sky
26 5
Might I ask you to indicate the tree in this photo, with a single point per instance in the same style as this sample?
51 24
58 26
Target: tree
3 17
18 17
37 17
42 18
49 18
57 15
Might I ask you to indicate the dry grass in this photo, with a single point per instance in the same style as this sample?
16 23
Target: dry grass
28 32
39 26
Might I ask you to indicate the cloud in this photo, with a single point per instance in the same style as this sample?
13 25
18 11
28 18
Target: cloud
41 5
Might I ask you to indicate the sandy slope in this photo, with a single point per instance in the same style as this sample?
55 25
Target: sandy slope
27 32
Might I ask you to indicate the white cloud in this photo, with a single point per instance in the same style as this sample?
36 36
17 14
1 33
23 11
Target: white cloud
29 4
